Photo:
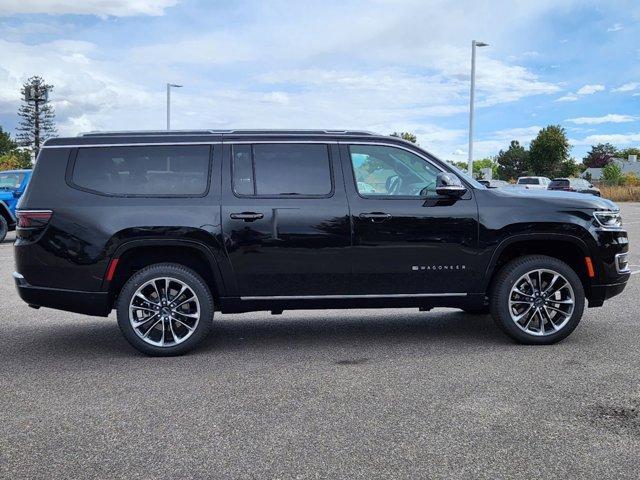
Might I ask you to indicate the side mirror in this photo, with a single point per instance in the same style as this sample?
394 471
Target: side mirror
449 185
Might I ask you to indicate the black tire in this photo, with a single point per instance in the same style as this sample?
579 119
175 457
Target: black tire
182 274
505 281
4 228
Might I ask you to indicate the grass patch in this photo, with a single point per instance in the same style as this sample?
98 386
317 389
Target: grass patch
620 193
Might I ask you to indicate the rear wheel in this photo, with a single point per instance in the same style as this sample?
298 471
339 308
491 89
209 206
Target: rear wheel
4 228
165 309
537 299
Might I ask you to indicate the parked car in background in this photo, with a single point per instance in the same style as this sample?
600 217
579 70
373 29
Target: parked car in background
168 227
494 183
533 183
12 186
574 185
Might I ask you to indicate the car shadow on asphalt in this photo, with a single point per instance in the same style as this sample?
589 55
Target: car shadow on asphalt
294 330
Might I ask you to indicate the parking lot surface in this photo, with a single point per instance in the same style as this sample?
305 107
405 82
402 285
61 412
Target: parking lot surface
322 394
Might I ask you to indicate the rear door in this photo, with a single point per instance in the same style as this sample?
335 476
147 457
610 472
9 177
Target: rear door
285 219
408 241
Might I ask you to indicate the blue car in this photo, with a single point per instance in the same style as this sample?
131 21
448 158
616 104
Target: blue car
12 186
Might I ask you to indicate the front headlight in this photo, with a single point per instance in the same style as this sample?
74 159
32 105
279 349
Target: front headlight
608 219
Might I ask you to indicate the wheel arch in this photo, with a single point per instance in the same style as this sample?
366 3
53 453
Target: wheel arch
137 254
569 248
6 214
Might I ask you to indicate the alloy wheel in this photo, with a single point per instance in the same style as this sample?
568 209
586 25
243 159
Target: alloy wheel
164 312
541 302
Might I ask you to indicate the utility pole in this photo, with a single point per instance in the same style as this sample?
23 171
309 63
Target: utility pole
169 85
474 44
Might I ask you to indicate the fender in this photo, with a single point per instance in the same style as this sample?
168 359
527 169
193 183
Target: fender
575 240
6 213
158 242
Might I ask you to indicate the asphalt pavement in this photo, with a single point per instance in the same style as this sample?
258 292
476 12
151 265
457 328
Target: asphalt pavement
359 394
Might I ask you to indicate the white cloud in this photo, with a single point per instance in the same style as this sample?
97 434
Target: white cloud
609 118
616 27
585 90
614 138
627 87
590 89
117 8
569 97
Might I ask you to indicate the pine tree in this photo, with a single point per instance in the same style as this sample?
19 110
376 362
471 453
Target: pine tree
36 115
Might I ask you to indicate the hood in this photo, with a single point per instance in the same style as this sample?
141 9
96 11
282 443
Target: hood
557 198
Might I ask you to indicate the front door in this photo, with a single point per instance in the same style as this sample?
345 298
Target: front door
407 239
285 219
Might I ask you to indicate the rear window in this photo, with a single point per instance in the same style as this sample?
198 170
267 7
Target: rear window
528 181
143 171
559 183
281 170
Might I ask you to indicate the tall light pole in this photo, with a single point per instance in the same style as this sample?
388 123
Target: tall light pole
474 44
169 85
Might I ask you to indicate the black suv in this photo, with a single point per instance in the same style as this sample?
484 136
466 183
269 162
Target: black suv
168 227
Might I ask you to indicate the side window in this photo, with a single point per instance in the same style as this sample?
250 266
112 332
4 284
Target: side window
243 183
143 171
390 171
282 170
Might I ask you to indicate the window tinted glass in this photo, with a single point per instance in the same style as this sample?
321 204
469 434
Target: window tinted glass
10 180
291 169
148 170
243 170
528 181
390 171
559 183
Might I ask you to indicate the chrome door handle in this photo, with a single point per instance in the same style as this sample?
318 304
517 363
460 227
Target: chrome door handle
376 216
247 216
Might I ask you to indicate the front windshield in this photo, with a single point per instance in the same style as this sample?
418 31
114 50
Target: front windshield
10 180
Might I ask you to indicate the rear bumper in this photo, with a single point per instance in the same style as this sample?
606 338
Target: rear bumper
88 303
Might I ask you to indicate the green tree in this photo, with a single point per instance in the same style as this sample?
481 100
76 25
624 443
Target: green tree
612 174
600 155
512 162
408 136
549 151
6 143
479 165
569 168
629 151
36 114
15 160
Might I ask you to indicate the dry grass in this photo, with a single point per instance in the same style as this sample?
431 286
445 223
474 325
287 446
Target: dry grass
621 194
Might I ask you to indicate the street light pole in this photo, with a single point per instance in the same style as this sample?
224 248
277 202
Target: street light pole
169 85
474 44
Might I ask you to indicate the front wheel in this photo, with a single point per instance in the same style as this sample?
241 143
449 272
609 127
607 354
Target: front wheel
4 228
537 300
165 309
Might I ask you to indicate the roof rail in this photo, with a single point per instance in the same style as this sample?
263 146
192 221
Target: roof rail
143 133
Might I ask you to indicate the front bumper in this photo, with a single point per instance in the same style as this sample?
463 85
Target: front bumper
600 293
88 303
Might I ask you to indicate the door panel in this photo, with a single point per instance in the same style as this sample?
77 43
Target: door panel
407 243
294 245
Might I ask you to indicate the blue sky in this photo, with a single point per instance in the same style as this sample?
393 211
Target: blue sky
379 65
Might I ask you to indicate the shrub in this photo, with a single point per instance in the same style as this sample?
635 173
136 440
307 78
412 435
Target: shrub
631 180
612 175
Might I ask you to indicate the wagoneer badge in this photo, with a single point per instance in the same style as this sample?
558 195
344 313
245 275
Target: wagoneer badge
438 267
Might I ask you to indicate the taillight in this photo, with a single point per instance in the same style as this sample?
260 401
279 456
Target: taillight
33 218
